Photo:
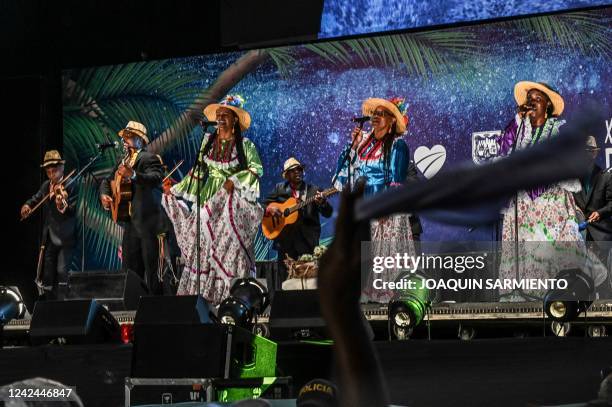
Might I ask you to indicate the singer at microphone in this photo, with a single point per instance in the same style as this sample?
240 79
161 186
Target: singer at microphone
525 108
361 120
207 123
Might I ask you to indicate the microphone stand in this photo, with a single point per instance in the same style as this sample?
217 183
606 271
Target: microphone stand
520 132
201 168
84 212
345 160
520 128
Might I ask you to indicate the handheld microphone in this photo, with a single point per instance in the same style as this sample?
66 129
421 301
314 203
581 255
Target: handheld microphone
104 146
525 108
206 123
361 120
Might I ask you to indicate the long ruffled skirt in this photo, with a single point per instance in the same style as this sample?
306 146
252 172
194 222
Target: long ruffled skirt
228 225
389 236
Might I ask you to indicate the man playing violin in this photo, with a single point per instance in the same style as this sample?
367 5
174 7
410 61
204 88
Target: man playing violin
140 245
59 226
302 236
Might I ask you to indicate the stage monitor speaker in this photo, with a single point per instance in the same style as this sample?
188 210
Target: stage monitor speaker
296 314
118 290
73 322
201 350
181 309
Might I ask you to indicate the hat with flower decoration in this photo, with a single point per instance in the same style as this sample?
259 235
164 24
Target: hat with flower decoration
397 106
236 104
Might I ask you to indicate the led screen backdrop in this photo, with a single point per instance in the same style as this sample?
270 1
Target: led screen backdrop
344 18
457 82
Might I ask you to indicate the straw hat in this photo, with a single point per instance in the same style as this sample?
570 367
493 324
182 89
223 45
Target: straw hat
236 104
522 88
52 157
397 106
290 164
135 128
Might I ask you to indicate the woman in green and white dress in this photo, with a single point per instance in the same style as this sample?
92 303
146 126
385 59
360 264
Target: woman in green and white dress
228 182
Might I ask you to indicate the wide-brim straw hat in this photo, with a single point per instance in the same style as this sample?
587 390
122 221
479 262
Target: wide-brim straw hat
233 102
396 106
290 164
135 128
52 157
522 88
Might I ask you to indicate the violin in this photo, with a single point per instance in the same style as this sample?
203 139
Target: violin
168 181
60 194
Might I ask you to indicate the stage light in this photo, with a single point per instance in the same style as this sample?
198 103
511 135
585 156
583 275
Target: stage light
248 298
127 333
565 304
560 329
408 307
466 333
11 305
596 331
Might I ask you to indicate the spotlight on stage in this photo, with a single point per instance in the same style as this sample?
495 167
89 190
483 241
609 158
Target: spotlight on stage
564 305
248 298
409 305
11 304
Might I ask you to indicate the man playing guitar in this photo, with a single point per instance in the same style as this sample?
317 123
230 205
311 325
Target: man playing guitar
140 246
302 236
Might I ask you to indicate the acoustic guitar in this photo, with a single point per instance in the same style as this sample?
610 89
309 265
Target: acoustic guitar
272 227
122 195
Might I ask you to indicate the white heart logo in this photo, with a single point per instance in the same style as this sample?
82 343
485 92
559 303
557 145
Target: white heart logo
430 161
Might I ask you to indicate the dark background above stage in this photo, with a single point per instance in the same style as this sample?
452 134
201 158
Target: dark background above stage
39 36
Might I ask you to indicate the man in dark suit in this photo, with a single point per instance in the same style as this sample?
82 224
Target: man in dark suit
140 245
594 203
59 227
302 236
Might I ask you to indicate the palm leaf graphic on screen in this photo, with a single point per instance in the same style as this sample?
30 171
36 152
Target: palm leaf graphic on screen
97 103
585 32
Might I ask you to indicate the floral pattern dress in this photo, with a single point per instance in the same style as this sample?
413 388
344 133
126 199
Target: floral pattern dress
228 221
548 235
389 235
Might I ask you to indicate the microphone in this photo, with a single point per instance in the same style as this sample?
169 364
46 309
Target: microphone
206 123
104 146
525 108
361 120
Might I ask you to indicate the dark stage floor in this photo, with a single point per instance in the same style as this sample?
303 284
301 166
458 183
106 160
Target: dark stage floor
491 372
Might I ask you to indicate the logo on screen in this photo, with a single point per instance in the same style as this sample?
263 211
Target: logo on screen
430 160
484 146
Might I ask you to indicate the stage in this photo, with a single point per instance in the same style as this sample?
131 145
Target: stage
501 372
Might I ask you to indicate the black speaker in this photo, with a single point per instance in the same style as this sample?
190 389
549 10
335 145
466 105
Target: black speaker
182 309
193 350
119 291
73 322
296 314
